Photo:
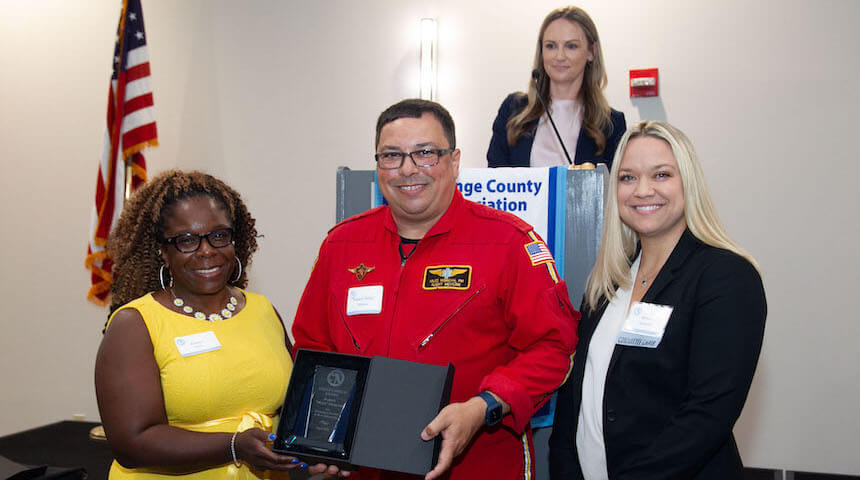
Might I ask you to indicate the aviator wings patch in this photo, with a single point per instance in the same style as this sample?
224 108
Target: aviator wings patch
452 277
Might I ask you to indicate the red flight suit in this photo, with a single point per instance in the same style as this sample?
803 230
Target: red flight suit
471 294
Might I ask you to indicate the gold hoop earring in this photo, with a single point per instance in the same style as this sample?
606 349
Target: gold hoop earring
161 277
239 273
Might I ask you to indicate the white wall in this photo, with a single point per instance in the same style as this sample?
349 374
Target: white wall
274 95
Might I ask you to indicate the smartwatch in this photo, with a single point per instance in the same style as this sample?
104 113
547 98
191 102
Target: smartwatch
494 409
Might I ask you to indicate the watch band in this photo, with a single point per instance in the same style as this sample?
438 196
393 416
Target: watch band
494 409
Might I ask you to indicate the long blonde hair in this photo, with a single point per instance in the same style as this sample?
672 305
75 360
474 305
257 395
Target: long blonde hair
596 114
618 245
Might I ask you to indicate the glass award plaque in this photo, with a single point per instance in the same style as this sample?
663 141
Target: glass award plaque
323 400
350 411
326 409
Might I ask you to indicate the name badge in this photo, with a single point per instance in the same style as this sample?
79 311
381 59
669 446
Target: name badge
645 325
197 343
364 300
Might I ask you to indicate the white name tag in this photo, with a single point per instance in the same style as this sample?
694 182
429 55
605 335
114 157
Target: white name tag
645 325
197 343
364 300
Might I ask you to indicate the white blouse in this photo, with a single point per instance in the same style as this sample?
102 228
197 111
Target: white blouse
546 151
589 430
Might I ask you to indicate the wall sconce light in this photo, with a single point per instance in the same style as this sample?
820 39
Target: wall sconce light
428 59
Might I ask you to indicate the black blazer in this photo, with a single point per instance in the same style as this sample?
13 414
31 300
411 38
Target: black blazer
500 154
668 412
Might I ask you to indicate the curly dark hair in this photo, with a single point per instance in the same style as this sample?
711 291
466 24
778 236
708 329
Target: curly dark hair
134 241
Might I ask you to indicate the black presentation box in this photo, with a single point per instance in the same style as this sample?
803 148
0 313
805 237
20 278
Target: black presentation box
351 411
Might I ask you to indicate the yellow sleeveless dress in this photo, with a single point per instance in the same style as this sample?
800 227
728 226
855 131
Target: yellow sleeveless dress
235 387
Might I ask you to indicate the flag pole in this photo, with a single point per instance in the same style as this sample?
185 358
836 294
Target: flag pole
128 179
130 127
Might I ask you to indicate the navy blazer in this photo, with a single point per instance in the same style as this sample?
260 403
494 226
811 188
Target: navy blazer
500 154
668 412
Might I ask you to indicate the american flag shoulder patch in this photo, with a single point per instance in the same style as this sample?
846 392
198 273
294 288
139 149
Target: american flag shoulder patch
538 252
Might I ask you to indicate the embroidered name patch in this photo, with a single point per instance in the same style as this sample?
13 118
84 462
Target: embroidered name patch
538 252
452 277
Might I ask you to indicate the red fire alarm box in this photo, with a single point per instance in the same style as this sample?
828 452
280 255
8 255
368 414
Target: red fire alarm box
644 83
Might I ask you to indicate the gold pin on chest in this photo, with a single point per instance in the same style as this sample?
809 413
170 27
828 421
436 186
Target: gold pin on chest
361 271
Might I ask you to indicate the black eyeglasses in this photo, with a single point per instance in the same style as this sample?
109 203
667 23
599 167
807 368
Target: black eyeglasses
426 157
190 242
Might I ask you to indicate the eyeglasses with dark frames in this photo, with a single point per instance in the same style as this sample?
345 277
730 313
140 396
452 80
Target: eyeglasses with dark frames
426 157
190 242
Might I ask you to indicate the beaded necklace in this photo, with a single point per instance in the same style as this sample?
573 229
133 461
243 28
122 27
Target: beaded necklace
226 312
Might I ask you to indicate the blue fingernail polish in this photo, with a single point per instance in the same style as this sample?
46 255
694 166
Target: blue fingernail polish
304 465
295 460
271 437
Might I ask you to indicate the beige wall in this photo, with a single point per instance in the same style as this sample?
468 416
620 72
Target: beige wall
274 95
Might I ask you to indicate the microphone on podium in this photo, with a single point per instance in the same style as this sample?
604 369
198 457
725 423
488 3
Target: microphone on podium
536 77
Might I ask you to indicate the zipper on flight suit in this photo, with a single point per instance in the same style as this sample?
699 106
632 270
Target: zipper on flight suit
351 336
454 313
398 282
403 257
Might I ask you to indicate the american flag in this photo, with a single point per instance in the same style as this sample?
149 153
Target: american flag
538 252
130 129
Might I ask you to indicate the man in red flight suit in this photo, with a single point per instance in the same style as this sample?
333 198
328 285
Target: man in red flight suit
435 278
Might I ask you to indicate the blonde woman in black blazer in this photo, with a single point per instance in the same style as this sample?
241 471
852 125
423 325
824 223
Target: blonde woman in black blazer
664 410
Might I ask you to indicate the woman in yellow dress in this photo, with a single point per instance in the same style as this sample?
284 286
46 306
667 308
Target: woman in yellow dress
192 368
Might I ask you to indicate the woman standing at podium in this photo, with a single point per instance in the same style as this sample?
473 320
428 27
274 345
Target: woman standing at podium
192 367
672 324
569 76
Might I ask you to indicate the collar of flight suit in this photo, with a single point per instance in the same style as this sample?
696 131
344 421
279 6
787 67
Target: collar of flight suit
444 225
